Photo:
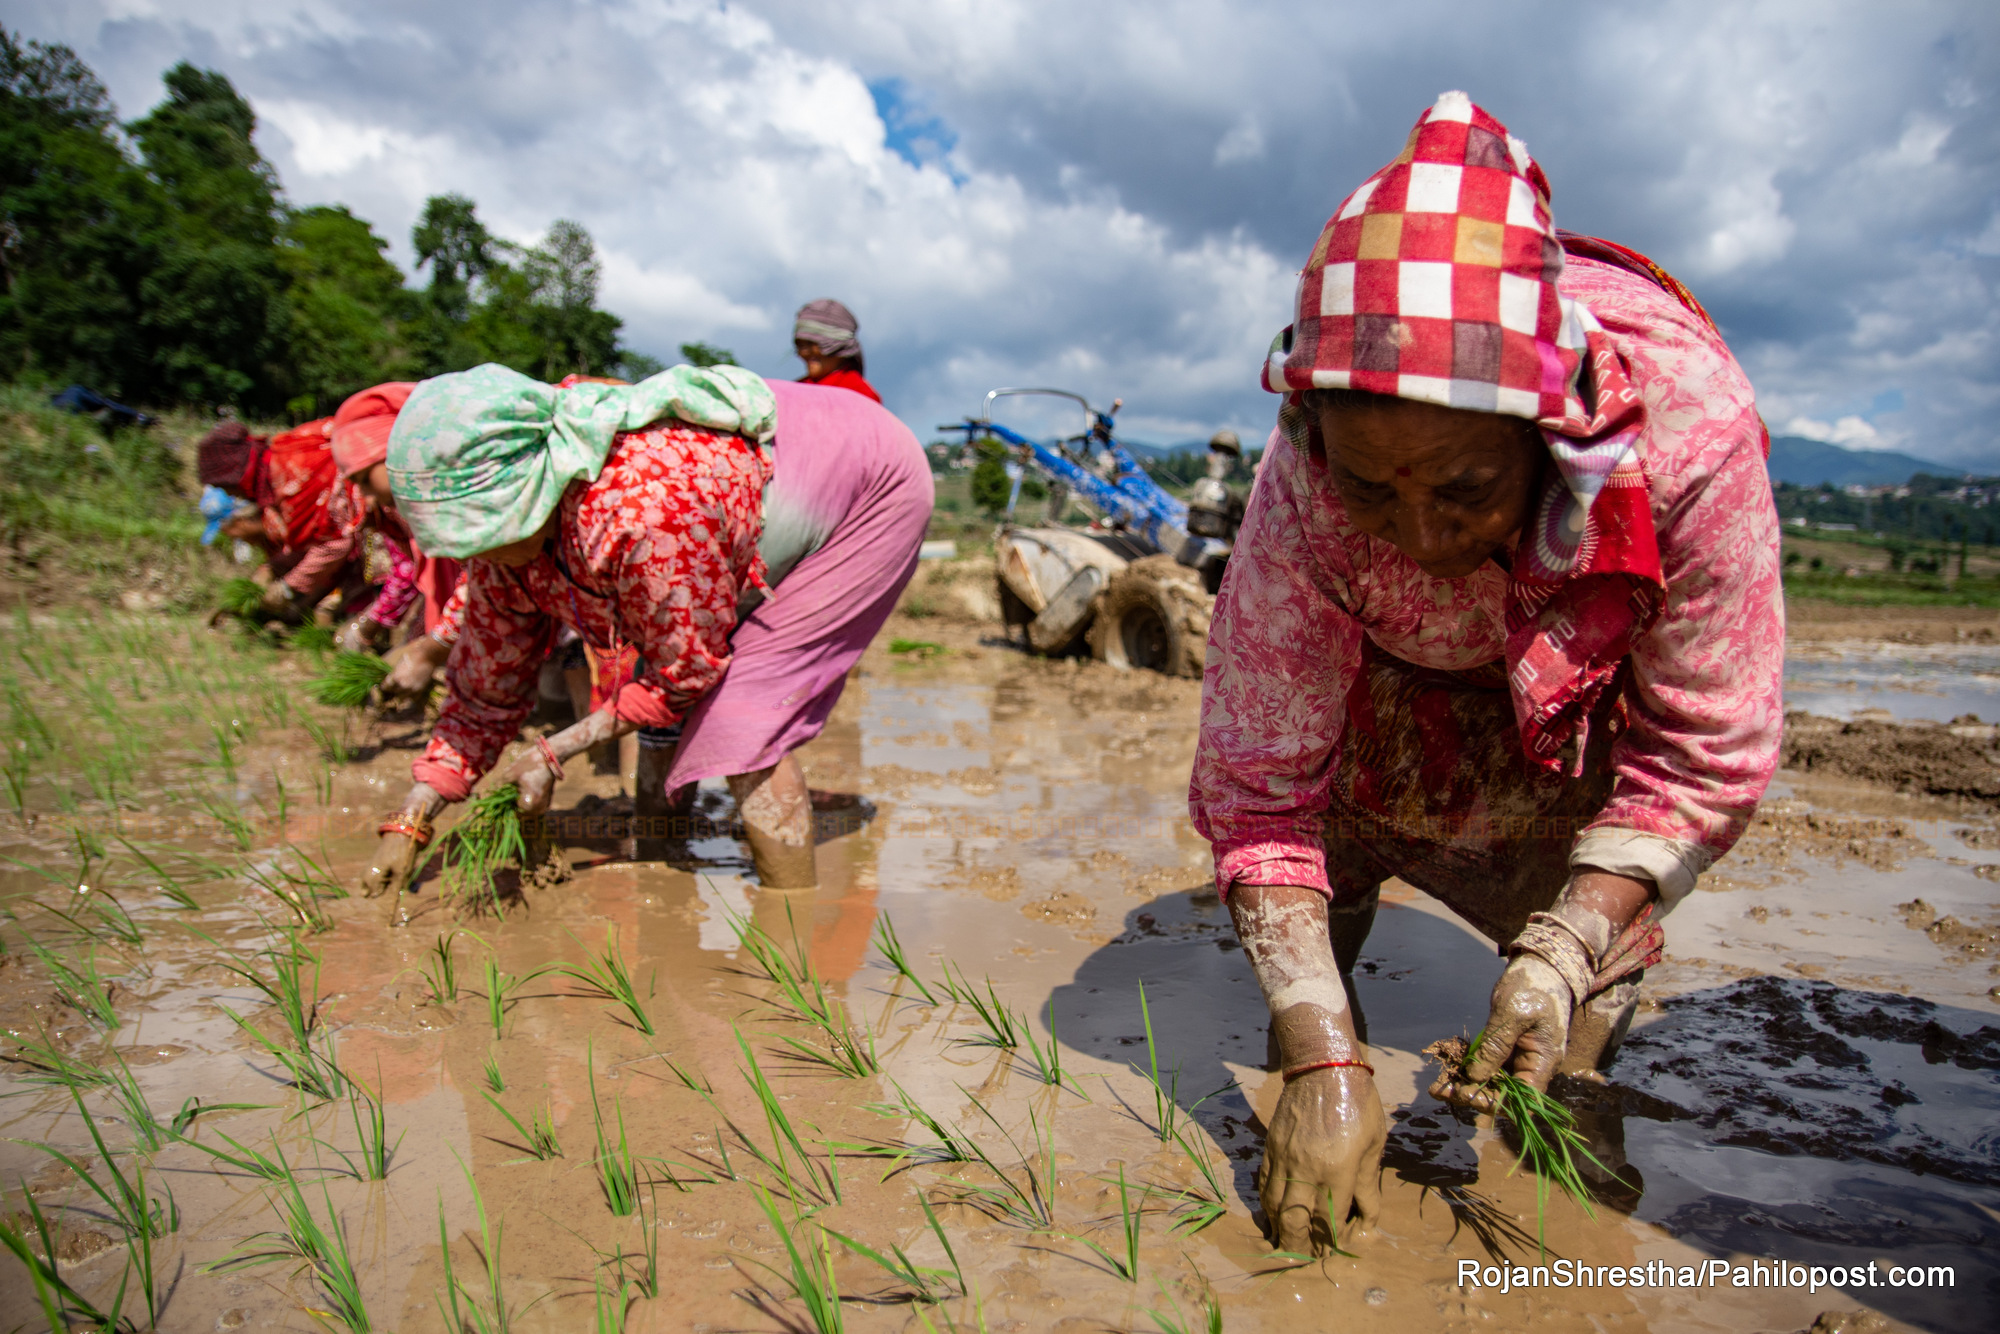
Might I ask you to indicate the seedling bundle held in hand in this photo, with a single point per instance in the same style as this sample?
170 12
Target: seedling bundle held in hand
1550 1142
348 680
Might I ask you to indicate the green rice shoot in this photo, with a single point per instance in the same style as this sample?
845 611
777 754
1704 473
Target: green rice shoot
241 597
479 846
1551 1145
348 680
313 637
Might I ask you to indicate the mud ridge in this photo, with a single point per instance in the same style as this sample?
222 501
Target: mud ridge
1927 760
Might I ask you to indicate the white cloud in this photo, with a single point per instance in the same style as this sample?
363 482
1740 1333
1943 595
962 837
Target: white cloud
1132 184
1848 432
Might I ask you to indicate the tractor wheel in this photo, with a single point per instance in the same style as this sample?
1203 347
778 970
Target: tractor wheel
1013 611
1154 616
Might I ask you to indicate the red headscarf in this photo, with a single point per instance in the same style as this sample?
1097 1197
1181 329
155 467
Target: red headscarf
1437 280
361 426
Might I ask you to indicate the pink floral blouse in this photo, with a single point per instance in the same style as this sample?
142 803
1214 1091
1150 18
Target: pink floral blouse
1704 699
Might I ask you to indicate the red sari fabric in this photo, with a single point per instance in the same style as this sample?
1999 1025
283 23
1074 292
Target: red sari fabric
306 501
846 379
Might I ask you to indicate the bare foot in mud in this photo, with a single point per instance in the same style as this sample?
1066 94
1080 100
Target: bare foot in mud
1323 1160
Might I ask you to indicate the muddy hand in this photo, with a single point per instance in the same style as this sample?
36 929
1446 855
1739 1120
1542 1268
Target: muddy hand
537 781
412 666
394 862
1526 1032
1322 1158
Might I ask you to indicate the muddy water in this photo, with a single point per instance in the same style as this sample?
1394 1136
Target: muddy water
1903 682
1813 1078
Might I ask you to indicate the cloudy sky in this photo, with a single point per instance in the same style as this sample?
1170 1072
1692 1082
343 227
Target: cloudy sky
1114 196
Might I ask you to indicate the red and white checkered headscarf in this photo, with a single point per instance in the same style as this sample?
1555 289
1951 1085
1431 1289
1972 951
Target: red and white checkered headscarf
1436 281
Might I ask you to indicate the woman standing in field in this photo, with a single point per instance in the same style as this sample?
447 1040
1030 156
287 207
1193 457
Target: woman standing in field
1504 620
634 515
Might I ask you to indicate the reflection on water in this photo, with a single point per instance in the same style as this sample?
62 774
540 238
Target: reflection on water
1893 681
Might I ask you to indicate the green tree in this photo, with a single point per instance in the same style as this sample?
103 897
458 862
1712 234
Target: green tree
346 305
77 222
213 304
707 354
563 275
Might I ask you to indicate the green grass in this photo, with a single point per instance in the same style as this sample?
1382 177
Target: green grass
494 1079
348 680
78 983
132 1204
849 1048
1029 1202
440 972
370 1162
946 1146
918 648
1199 1211
500 989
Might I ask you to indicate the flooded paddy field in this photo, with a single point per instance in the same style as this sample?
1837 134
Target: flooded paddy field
326 1105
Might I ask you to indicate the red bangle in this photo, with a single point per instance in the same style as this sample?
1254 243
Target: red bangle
1296 1071
409 829
549 754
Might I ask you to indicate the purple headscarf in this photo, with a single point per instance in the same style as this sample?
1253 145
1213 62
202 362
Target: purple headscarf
830 327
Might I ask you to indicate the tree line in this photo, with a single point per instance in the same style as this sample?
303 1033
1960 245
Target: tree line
157 261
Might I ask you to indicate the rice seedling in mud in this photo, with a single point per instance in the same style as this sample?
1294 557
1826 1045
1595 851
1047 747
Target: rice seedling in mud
907 1271
313 639
165 882
802 996
239 830
1030 1206
1198 1211
487 839
823 1181
1003 1027
1167 1108
132 1204
62 1305
466 1311
946 1146
1048 1060
617 1171
811 1276
308 1244
78 982
494 1080
606 974
1207 1320
1131 1220
500 989
49 1064
331 750
295 998
348 680
538 1135
440 969
96 914
1550 1143
300 882
891 948
370 1161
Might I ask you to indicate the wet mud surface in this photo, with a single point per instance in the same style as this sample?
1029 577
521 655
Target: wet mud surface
1812 1077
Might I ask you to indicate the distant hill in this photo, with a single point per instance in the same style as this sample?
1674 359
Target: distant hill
1805 462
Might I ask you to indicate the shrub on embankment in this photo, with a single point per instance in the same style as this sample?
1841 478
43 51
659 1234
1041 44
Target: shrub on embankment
96 517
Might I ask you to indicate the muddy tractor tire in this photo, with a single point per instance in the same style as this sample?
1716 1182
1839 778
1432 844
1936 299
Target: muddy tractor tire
1153 616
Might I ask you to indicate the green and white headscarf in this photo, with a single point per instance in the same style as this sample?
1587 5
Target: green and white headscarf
481 458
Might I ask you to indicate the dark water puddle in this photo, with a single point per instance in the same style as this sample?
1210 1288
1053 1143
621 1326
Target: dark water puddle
1796 1067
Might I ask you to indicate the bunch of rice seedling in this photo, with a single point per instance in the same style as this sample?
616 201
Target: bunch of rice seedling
488 839
314 638
1550 1142
241 597
347 680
